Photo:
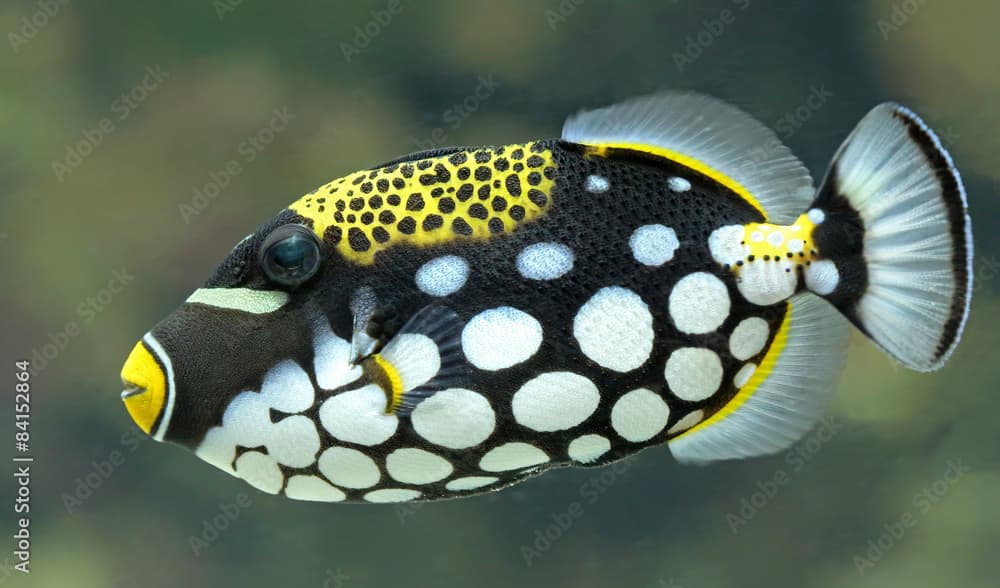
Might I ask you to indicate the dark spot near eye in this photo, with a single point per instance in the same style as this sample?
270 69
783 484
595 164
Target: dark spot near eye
496 225
446 205
478 211
407 226
432 221
513 184
333 234
464 192
358 240
415 202
461 227
538 197
534 178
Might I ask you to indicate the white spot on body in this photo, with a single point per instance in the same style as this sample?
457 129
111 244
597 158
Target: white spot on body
725 244
795 245
588 448
678 184
348 468
748 338
242 299
743 376
693 373
358 416
545 261
312 488
822 277
597 184
416 466
454 418
776 238
286 387
512 456
555 401
470 483
392 495
639 415
653 245
333 359
767 282
816 215
699 303
615 329
260 471
500 338
687 421
443 275
757 237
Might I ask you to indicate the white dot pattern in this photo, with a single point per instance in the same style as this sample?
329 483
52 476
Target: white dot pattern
555 401
653 245
693 373
545 261
699 303
454 418
500 338
443 275
615 329
348 468
639 415
588 448
512 456
748 338
416 466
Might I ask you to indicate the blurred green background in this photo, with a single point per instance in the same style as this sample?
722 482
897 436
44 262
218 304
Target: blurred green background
114 114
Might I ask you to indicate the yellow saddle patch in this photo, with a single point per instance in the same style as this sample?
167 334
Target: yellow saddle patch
469 194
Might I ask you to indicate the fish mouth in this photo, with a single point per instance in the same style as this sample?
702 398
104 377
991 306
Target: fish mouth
131 389
145 381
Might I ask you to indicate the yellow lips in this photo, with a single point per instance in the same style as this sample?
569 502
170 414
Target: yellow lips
145 387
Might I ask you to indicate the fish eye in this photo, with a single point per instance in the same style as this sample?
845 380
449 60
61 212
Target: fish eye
290 255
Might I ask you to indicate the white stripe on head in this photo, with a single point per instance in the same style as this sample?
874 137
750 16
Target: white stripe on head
243 299
168 373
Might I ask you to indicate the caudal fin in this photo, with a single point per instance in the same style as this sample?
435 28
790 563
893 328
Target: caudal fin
893 219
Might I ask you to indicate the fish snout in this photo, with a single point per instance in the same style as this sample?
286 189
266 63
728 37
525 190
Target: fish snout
145 385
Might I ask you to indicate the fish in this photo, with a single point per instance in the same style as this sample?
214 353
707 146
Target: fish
458 320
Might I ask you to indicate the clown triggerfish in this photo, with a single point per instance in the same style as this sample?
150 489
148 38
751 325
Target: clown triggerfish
458 320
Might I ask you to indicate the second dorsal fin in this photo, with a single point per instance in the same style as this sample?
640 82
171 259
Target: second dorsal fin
709 136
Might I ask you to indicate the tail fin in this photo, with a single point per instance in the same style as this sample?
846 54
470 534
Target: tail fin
892 217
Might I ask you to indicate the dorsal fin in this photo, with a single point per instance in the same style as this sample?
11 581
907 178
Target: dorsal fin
709 136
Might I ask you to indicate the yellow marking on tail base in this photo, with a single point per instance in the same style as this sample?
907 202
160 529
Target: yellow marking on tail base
601 150
470 194
763 371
